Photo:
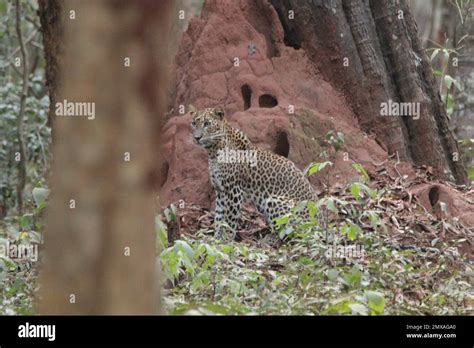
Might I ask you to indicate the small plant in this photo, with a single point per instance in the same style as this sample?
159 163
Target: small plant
446 81
336 139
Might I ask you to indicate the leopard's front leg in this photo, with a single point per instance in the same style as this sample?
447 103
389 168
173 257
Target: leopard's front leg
228 205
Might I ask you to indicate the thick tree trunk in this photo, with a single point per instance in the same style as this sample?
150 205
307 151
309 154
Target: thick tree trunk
100 235
431 141
463 113
371 52
52 21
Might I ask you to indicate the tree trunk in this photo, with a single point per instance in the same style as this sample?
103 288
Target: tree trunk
52 21
463 113
100 252
371 52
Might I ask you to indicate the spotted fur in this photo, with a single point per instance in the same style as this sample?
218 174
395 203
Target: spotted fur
272 183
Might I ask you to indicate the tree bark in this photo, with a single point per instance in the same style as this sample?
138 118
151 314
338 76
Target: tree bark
463 113
100 255
52 21
385 62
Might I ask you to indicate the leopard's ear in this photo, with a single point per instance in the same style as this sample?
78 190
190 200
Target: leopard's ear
192 110
219 112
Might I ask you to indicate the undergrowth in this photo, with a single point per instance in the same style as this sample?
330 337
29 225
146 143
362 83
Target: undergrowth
342 260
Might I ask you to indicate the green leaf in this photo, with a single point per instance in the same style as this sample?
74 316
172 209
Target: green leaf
184 247
448 81
374 218
217 309
449 101
340 306
301 206
353 278
283 220
39 195
446 55
227 249
211 251
434 54
316 167
358 309
355 190
332 274
331 205
376 302
367 190
244 250
285 232
210 260
26 220
335 139
169 215
312 209
361 170
354 230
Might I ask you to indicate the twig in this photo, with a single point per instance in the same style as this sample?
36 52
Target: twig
16 50
396 164
37 45
33 21
37 130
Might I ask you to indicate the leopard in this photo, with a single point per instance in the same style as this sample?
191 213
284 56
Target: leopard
241 172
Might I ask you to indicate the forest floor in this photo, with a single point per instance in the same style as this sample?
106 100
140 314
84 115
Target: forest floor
370 249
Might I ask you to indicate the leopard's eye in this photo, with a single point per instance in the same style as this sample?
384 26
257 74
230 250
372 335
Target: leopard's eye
193 123
206 123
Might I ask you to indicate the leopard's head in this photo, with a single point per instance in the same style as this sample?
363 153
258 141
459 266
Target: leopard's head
207 126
